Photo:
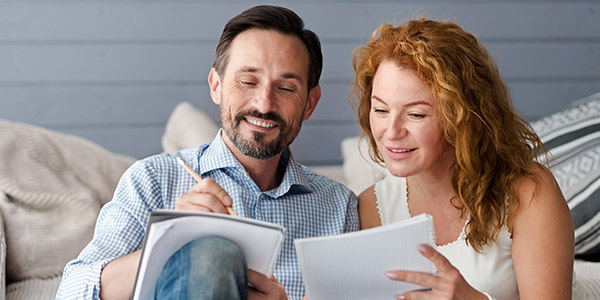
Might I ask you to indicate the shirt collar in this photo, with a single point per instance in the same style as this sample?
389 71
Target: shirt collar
293 178
218 156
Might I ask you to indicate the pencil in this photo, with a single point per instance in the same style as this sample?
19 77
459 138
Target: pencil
199 179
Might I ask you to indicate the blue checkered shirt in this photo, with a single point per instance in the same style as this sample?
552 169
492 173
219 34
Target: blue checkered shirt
305 203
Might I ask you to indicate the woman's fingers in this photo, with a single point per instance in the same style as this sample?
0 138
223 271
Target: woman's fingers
443 284
441 262
419 278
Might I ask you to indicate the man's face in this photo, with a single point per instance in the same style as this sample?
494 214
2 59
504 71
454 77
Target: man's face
263 93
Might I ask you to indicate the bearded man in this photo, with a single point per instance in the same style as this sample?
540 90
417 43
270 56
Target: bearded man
265 78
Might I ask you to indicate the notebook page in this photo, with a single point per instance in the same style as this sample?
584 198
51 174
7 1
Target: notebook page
168 236
353 265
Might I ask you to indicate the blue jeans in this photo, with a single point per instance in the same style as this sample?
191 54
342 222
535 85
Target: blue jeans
206 268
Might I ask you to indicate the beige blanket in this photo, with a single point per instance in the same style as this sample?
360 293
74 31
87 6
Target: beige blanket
52 188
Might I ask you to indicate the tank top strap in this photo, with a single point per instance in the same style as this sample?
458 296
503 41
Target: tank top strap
391 199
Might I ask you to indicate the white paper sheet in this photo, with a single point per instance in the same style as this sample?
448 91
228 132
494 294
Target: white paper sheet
354 265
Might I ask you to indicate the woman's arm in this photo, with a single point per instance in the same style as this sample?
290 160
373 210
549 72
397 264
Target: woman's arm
543 240
367 209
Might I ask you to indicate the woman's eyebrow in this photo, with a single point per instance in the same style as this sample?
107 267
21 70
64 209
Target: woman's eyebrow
412 103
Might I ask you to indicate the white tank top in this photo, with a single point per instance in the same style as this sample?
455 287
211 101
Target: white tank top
490 271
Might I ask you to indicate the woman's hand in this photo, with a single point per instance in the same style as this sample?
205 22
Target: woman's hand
447 284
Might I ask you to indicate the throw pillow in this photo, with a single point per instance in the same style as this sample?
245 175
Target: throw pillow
52 187
188 127
573 138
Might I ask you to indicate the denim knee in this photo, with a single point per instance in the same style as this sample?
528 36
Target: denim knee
215 252
205 268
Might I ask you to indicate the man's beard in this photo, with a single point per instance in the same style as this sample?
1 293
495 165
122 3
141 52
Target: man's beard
256 146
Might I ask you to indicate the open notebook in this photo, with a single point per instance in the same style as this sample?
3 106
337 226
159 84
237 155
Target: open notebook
353 265
169 230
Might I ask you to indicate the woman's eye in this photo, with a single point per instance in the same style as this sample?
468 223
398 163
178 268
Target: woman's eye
379 110
417 116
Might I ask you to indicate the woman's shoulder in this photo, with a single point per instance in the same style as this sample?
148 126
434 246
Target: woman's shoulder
367 208
541 186
540 198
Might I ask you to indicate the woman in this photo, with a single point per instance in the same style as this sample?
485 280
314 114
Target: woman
437 114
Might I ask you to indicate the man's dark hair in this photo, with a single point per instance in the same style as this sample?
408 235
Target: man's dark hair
274 18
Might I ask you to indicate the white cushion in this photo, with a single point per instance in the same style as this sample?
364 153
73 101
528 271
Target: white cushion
360 171
34 288
334 172
188 127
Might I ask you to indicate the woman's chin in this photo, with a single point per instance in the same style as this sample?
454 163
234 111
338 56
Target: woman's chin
397 172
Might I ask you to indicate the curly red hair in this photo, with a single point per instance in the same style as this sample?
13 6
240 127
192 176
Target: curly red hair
494 146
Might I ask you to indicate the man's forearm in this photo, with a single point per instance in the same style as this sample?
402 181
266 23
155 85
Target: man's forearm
118 277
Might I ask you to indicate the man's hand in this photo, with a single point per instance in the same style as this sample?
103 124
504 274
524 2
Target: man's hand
206 196
264 288
118 277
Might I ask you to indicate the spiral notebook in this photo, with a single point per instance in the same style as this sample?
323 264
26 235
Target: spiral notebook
168 230
353 265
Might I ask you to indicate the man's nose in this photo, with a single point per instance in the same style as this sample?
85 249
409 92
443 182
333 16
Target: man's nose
264 100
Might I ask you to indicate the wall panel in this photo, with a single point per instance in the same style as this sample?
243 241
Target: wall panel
113 70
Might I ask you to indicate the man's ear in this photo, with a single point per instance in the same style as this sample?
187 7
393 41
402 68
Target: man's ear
311 103
214 82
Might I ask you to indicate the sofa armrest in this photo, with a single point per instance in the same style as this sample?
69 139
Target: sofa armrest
587 274
2 260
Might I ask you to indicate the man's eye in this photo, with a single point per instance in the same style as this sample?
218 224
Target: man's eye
248 83
287 89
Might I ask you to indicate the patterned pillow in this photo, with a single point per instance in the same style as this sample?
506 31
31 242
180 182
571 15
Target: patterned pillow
573 138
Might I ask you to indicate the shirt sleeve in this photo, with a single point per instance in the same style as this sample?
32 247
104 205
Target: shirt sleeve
119 230
351 223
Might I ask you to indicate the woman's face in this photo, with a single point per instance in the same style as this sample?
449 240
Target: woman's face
404 122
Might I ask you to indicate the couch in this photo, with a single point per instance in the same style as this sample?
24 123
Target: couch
53 186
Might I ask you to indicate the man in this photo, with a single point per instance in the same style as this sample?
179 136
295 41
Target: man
265 80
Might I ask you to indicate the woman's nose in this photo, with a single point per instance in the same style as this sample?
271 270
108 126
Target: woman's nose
396 129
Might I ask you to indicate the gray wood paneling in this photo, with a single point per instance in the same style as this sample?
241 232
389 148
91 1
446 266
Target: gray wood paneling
112 71
537 100
155 63
133 104
195 20
137 141
152 104
315 142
